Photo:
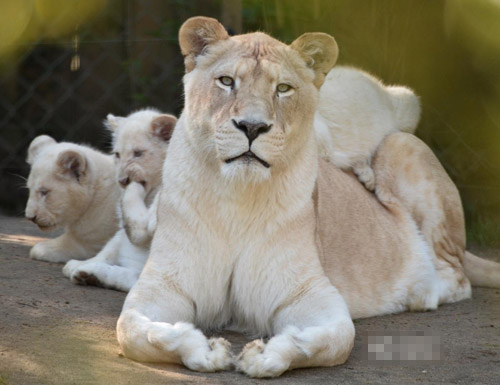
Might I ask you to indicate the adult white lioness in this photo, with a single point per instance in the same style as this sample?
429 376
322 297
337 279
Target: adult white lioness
246 213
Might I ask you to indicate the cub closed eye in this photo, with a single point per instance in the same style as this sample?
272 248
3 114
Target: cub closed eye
282 88
117 154
226 81
43 192
138 153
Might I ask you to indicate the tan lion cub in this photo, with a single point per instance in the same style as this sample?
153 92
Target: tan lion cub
140 143
355 112
71 186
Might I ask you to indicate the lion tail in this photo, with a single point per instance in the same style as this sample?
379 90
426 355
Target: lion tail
406 108
481 272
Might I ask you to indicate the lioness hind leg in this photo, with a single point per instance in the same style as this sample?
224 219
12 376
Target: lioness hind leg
318 331
407 171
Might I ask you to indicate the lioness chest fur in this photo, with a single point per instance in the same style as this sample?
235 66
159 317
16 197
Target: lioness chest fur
243 210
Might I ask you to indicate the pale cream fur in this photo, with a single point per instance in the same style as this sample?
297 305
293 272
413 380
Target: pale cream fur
355 113
241 244
140 142
73 187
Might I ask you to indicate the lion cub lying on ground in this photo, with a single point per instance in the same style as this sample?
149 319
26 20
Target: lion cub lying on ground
71 186
140 143
355 112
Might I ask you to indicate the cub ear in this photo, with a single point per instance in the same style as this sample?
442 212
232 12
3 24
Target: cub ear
163 126
36 145
196 34
72 164
320 52
113 122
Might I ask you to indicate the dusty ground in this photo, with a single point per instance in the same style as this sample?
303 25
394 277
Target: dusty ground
53 332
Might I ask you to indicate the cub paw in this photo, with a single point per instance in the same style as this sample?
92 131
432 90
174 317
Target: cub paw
41 252
255 362
86 279
366 176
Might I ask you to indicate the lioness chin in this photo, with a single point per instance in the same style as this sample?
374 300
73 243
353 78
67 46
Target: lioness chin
247 216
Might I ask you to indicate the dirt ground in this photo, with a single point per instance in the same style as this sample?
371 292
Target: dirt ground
54 332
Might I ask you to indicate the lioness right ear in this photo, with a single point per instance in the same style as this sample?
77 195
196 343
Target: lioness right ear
36 145
72 164
320 52
163 126
112 122
196 34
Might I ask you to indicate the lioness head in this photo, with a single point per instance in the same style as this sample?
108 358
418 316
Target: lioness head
140 143
250 97
59 186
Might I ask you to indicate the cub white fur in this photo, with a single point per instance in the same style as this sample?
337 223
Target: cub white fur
71 186
355 112
140 142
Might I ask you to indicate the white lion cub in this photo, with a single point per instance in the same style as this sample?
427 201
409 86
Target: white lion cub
355 112
71 186
140 143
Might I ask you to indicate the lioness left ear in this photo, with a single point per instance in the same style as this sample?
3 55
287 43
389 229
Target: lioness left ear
196 34
72 164
163 126
320 52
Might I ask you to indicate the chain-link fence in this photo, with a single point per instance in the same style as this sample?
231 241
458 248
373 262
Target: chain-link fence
125 56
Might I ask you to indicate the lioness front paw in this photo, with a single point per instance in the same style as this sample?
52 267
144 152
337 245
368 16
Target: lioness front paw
255 362
219 357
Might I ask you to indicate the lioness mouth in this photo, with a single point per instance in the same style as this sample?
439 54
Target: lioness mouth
249 155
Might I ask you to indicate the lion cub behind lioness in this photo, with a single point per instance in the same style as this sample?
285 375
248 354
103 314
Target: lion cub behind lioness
140 142
71 186
355 112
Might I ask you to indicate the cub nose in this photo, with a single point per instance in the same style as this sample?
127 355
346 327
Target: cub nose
32 219
124 181
252 129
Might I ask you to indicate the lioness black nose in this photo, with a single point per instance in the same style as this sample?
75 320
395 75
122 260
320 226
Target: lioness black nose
252 129
124 181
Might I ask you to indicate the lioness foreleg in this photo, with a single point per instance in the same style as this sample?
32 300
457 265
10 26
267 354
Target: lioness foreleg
316 331
167 334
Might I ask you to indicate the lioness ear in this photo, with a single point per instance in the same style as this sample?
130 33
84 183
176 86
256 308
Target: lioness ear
320 52
72 164
196 34
36 145
112 122
163 126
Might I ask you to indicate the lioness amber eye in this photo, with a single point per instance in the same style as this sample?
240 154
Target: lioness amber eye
283 87
227 81
138 153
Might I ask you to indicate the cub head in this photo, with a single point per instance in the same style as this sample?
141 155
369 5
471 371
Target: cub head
140 143
251 98
59 183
